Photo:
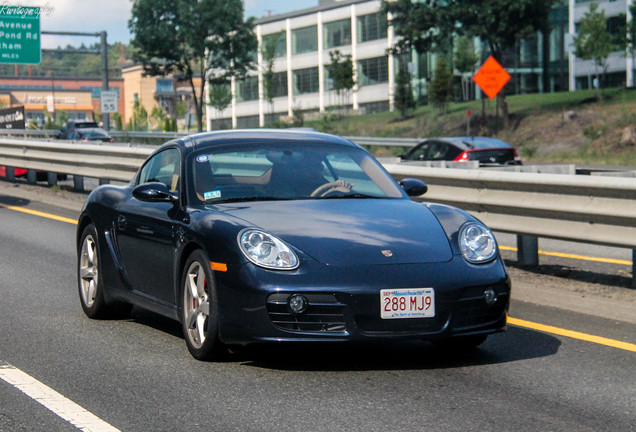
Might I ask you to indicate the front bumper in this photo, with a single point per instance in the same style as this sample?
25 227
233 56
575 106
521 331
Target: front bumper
345 302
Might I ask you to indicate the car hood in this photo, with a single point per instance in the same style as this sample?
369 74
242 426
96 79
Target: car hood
351 231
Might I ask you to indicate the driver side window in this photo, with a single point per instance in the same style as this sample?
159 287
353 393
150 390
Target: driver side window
164 167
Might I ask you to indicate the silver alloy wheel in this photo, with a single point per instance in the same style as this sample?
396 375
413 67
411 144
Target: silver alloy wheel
89 271
196 306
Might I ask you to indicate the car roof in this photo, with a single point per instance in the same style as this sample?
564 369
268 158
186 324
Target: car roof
248 136
478 142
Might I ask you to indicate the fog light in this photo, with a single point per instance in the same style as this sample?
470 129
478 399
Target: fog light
298 303
490 297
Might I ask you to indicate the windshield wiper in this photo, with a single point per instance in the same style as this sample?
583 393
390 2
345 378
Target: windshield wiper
247 199
352 195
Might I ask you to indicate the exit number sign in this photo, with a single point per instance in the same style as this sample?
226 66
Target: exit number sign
19 34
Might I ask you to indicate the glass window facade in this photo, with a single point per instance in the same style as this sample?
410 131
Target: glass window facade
306 81
247 89
372 27
337 33
305 40
373 71
281 43
164 86
279 87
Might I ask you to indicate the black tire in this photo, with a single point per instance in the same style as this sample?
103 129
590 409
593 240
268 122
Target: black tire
200 309
460 343
89 280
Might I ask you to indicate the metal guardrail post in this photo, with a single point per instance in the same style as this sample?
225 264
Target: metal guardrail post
32 176
51 178
10 174
78 183
528 251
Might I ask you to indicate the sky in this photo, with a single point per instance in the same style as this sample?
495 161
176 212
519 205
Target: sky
93 16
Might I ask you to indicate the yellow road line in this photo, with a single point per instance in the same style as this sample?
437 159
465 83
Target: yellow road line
573 334
573 256
41 214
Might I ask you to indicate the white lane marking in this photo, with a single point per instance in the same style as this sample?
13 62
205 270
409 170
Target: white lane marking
52 400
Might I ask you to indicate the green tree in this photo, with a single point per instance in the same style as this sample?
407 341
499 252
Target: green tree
429 25
61 117
593 41
205 38
268 52
341 72
139 118
631 34
465 59
404 100
441 89
158 115
220 96
118 121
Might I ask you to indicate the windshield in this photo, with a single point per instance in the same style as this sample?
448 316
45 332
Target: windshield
92 134
287 171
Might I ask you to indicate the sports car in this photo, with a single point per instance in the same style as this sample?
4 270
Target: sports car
276 236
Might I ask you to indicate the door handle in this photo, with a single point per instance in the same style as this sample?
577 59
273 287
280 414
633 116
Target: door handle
122 223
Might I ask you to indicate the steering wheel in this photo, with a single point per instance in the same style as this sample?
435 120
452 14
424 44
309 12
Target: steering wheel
327 188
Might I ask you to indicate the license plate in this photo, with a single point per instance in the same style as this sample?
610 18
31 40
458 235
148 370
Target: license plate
407 303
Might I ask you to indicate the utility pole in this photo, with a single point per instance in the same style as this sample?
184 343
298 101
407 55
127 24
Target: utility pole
104 53
104 50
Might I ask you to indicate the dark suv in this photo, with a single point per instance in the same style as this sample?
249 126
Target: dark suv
72 125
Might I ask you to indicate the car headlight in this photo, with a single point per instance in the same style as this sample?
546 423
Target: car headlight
267 251
477 243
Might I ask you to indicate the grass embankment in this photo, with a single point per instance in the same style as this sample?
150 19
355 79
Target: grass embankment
569 127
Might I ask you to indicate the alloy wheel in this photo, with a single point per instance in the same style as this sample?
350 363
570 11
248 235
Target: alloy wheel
196 306
89 271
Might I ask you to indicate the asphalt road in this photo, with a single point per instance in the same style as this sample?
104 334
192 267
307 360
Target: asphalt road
137 375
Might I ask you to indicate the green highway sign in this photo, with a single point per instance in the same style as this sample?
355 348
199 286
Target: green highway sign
19 34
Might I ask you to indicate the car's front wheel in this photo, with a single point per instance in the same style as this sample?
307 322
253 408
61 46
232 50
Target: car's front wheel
89 280
200 309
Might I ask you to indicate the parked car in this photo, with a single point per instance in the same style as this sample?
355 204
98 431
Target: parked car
262 236
73 125
488 151
17 172
90 134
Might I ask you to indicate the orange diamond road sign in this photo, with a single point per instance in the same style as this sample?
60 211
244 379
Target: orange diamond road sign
491 77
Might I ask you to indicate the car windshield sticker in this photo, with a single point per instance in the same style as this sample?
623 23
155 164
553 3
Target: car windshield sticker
212 195
203 158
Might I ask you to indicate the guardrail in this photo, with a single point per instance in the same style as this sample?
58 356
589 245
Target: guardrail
588 209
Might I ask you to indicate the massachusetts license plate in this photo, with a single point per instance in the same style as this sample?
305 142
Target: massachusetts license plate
407 303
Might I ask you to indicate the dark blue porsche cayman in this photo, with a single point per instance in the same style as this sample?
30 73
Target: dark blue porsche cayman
256 236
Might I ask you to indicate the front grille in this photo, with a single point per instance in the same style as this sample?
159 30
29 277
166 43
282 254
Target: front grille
373 325
324 314
473 311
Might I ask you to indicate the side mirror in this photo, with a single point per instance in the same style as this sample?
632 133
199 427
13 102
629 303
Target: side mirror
154 192
413 187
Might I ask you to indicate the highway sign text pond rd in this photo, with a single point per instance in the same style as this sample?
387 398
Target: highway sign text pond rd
19 34
491 77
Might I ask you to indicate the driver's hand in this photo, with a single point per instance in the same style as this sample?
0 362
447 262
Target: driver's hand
344 184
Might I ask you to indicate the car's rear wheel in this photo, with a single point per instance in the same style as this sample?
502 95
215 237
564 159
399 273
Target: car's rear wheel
89 280
200 309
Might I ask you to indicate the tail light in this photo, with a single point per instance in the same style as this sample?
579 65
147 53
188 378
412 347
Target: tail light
463 157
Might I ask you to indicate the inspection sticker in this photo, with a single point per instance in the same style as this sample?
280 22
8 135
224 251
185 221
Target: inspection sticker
212 195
